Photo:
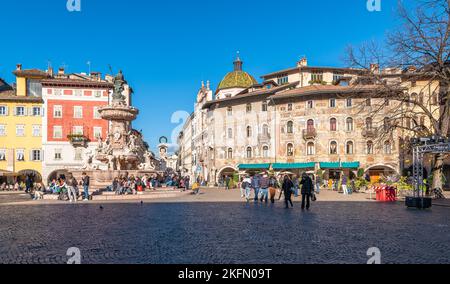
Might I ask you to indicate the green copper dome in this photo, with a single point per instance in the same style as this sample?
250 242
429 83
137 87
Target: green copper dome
237 78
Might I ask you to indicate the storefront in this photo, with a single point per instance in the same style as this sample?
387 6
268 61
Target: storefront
333 171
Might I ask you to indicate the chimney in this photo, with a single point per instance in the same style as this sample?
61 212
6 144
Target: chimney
19 67
50 71
208 85
303 62
61 71
374 68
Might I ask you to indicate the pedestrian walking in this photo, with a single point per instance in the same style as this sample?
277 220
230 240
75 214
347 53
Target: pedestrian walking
273 186
85 180
318 182
246 185
256 185
344 184
307 189
72 189
227 183
287 189
264 183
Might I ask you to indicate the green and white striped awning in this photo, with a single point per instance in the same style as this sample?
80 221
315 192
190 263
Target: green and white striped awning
293 166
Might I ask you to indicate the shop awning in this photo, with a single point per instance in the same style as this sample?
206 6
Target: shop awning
351 165
337 165
254 166
293 166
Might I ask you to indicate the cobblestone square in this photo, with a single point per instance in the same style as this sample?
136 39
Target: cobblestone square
203 230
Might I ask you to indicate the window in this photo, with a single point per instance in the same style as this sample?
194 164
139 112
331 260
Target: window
36 130
20 155
265 129
333 124
78 130
370 149
264 106
58 154
332 103
230 111
333 148
387 124
20 111
249 131
37 111
349 102
97 113
310 125
78 93
248 108
20 130
57 132
36 155
3 111
265 151
58 92
98 132
349 148
78 154
422 120
290 127
77 112
310 149
230 153
349 124
386 102
282 79
387 148
435 99
2 155
249 152
290 150
310 104
289 107
230 133
57 112
337 77
368 102
2 130
421 98
34 88
369 123
317 76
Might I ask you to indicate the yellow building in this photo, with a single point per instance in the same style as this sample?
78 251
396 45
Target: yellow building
21 113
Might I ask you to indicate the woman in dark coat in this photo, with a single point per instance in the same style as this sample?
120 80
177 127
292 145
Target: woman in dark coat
307 189
287 190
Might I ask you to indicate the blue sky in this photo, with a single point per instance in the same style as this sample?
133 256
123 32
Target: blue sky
166 48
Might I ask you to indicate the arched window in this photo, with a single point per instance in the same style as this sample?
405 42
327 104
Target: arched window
387 148
265 151
265 129
369 123
414 97
249 108
370 148
349 124
230 133
333 148
230 153
230 111
310 149
290 150
310 125
249 131
349 148
290 127
249 152
290 107
333 124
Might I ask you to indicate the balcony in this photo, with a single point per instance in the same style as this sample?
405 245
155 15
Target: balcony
78 140
309 134
264 138
370 133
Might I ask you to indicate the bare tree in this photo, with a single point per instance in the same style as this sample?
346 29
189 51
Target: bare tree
411 75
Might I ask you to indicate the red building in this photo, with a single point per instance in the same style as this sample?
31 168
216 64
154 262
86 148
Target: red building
72 124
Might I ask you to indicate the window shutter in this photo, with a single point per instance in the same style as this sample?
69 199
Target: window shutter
6 111
31 155
42 111
15 111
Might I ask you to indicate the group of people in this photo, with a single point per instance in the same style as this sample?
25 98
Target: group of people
27 184
67 189
265 188
130 184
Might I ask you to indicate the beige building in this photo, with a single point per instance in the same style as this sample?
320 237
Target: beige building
299 119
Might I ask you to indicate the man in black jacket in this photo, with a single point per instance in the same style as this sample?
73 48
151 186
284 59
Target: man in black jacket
86 182
307 189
